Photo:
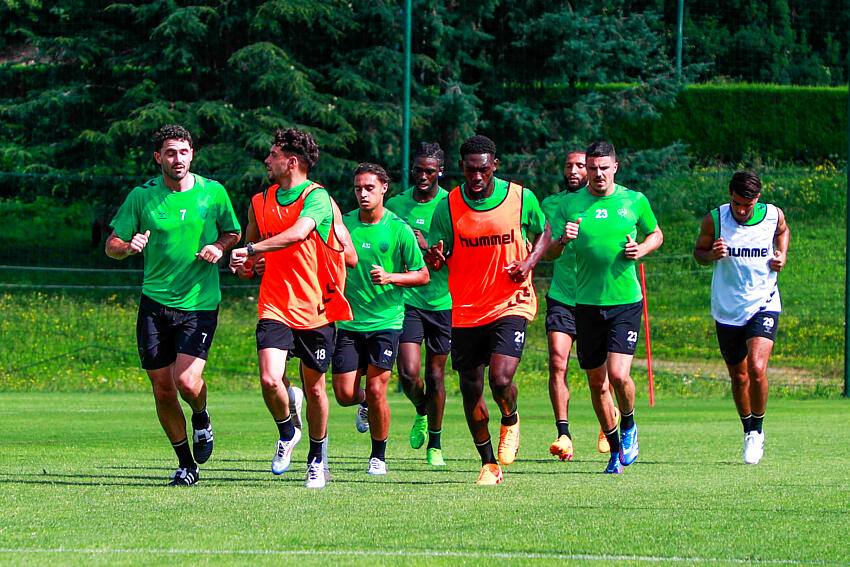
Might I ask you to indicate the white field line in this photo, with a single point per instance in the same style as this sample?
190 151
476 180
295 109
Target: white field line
404 553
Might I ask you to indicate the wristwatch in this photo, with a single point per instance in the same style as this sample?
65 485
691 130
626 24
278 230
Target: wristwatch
250 247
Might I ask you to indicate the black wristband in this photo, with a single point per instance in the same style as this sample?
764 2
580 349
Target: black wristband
250 247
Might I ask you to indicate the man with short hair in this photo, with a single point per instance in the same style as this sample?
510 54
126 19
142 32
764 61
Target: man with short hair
490 233
560 309
291 228
427 309
747 242
183 224
603 221
390 261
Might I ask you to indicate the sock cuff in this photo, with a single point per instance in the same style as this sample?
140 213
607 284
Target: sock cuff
200 411
179 443
483 443
757 416
435 432
611 432
631 413
559 421
284 420
322 440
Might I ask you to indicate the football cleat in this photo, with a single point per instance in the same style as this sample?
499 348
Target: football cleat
628 446
377 466
509 442
417 432
562 448
614 465
435 457
602 445
315 475
491 475
283 455
296 400
361 422
202 444
185 477
753 447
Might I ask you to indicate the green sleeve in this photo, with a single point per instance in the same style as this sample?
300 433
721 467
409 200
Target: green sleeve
646 218
441 226
411 255
533 219
227 220
317 206
126 220
551 210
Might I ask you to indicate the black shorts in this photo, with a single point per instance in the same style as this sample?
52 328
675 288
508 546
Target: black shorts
560 317
434 327
314 347
355 350
162 332
733 339
606 328
473 346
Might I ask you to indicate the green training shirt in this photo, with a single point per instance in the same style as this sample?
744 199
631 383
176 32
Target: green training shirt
181 224
317 206
435 295
604 276
532 219
563 286
391 244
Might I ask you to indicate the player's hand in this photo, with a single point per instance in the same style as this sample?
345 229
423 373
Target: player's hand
434 256
237 258
138 242
570 231
259 265
632 249
721 249
420 239
246 270
518 271
380 276
778 261
211 253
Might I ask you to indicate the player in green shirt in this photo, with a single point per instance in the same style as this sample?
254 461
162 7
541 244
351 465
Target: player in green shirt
427 309
389 261
603 222
182 223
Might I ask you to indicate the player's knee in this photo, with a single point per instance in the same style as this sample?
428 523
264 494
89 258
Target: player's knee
270 383
501 383
470 389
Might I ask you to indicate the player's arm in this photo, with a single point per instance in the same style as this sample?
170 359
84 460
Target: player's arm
636 250
413 278
781 239
212 253
120 249
344 237
707 249
518 271
241 266
296 233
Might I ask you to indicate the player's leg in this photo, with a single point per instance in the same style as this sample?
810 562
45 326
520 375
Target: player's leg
194 332
409 367
377 380
733 347
382 349
158 352
559 392
435 386
506 342
561 332
592 350
761 334
624 329
272 363
314 347
349 364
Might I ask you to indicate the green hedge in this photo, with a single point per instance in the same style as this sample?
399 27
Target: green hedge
732 123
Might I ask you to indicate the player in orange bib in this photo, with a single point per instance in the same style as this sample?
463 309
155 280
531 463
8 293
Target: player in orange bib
293 238
484 229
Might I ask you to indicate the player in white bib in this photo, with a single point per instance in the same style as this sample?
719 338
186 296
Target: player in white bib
748 243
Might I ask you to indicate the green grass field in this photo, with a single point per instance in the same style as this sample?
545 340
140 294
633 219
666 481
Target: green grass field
83 483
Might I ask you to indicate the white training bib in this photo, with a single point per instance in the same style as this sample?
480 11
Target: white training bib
743 283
